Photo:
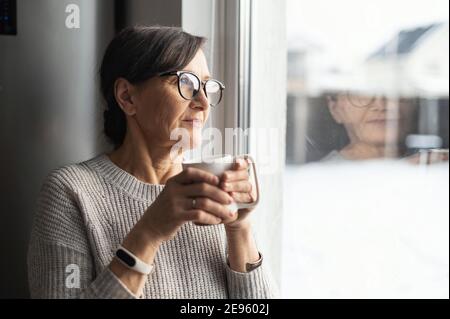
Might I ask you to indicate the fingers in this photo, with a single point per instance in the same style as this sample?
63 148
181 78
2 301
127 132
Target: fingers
241 163
201 217
231 176
206 190
212 207
238 173
194 175
236 182
242 197
239 187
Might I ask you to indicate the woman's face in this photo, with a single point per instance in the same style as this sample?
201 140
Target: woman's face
382 122
160 109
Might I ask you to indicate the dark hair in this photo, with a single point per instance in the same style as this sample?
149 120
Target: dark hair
137 54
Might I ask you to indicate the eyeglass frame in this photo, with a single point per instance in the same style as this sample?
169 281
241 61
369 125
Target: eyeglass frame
373 98
202 83
348 95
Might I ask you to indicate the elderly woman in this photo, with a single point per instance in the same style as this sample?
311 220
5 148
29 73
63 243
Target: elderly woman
376 126
125 224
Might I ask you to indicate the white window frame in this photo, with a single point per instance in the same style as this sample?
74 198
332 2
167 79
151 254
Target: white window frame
267 110
243 35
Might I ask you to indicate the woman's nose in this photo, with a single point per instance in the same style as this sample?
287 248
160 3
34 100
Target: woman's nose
380 103
200 101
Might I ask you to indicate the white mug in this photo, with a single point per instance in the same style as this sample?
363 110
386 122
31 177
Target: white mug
217 165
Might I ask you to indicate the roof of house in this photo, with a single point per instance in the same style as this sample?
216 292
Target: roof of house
406 42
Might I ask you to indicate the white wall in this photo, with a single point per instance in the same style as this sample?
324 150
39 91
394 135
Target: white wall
162 12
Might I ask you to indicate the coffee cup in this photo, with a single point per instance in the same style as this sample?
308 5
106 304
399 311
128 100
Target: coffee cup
217 165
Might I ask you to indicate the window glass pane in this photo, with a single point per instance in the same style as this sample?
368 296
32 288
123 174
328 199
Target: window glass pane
366 179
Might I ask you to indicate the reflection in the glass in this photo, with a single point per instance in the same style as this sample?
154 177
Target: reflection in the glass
376 126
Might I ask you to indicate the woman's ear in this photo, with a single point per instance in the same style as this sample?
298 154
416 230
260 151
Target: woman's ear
123 92
333 107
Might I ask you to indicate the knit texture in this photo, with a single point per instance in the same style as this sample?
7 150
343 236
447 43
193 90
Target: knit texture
85 211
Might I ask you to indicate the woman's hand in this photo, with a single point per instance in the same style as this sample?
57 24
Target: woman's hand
163 219
429 157
174 206
236 183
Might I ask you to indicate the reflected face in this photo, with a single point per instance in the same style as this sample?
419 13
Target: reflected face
161 109
374 121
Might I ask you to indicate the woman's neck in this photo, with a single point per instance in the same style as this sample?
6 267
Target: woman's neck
150 165
364 151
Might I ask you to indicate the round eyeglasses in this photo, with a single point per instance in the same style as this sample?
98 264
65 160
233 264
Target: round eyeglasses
189 86
360 100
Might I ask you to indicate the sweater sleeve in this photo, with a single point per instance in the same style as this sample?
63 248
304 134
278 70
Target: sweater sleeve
60 264
256 284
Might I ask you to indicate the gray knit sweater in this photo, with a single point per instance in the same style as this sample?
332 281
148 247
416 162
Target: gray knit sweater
85 211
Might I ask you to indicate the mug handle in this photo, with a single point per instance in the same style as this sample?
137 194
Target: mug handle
253 165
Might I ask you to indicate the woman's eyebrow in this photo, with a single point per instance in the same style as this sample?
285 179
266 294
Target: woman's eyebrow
205 78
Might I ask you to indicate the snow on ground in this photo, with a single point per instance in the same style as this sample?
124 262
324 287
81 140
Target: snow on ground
368 230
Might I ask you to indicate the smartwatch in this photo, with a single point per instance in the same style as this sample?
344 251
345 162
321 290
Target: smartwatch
132 262
251 266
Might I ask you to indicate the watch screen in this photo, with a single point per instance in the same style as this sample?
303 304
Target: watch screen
127 259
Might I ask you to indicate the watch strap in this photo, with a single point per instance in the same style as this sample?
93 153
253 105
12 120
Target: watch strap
251 266
129 260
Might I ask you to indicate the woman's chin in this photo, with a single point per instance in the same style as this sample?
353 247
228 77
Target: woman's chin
195 143
192 125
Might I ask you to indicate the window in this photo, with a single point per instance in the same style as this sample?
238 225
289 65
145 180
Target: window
366 180
238 52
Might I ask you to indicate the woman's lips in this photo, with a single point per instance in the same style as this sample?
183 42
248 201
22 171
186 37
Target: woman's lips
194 122
382 121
